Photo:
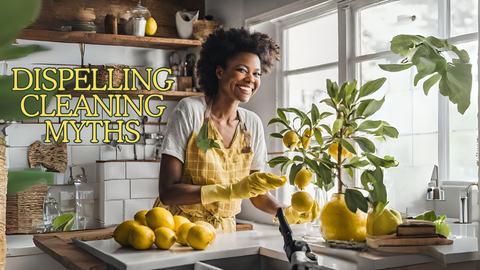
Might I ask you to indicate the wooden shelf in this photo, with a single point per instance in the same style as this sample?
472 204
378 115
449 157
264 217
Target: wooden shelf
108 39
167 95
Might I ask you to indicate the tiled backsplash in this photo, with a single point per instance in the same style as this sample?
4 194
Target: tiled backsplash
126 188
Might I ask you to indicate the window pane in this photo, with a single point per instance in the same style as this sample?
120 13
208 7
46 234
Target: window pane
379 24
464 17
308 88
463 150
312 43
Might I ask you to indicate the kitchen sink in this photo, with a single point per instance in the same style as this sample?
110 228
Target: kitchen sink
251 262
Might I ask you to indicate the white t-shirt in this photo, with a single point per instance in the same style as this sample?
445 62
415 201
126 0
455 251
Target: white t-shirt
187 117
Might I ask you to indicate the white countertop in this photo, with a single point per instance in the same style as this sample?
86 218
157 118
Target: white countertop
266 240
21 245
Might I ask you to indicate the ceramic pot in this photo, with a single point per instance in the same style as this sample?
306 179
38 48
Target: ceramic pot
184 21
338 223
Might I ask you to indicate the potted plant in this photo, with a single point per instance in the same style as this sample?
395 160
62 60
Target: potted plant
14 16
335 152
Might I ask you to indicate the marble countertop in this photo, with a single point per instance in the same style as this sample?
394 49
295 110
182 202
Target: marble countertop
267 241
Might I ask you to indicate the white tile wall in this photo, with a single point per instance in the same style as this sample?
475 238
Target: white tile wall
18 157
143 170
85 154
24 134
117 190
114 170
144 188
108 152
113 212
133 206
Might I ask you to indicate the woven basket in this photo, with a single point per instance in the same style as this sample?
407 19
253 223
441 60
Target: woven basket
203 28
25 210
102 75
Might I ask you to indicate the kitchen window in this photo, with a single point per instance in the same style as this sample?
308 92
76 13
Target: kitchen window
348 41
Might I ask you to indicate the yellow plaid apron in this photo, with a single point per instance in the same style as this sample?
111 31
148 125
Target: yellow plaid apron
216 166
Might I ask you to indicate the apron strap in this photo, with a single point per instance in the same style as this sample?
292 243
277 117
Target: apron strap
243 127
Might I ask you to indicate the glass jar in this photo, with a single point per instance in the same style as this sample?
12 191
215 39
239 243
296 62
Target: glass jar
50 209
312 229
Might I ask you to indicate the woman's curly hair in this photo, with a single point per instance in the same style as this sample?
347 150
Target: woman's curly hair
223 45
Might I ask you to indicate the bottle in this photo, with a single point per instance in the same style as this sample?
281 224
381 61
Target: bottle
50 208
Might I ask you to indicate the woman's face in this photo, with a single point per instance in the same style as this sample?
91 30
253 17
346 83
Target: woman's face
241 77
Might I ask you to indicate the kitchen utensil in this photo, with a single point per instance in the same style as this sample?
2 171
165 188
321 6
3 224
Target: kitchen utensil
184 21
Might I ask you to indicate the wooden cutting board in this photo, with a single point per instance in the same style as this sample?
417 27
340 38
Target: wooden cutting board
394 240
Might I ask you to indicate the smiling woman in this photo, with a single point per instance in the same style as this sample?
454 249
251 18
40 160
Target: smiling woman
213 150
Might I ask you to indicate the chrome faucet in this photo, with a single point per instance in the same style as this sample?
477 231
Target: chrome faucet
466 203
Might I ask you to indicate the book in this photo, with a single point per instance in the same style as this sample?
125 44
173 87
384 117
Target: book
416 228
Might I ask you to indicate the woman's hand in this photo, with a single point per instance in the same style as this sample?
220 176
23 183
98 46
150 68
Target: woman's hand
250 186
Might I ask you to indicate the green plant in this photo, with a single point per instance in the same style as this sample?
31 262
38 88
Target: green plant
14 16
352 108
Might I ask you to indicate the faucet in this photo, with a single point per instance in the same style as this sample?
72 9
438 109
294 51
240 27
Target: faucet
466 203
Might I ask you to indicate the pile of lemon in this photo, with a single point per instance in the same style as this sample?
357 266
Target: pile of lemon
158 226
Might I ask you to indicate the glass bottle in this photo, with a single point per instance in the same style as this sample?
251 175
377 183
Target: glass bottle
312 230
50 208
84 201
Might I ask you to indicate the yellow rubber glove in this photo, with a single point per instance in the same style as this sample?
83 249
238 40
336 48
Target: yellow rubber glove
294 217
250 186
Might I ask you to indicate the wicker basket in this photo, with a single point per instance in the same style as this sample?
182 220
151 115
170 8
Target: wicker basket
25 210
102 75
203 28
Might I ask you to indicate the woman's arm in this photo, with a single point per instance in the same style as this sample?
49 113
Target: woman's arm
170 188
266 202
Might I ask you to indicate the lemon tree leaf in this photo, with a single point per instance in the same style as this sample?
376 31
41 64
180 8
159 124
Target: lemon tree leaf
293 173
348 146
381 162
275 135
284 166
277 160
281 114
369 106
325 115
349 171
390 131
298 158
365 144
326 128
356 200
315 114
277 120
337 125
371 87
318 136
369 124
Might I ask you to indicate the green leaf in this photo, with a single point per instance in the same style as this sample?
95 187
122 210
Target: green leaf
62 220
202 140
326 128
456 84
298 159
337 125
284 166
381 162
325 115
355 162
325 174
349 171
277 120
349 89
16 51
369 106
296 111
315 114
431 82
365 144
403 44
348 146
395 67
356 200
281 114
369 124
293 173
275 135
425 67
318 136
329 102
371 87
390 131
277 160
306 122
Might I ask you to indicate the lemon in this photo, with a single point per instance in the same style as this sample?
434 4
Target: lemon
121 233
210 226
141 237
179 220
302 201
150 27
303 178
140 217
383 224
290 139
338 223
165 238
199 237
333 151
159 217
183 232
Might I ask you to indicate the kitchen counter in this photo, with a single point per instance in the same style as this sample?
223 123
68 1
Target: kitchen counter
267 241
